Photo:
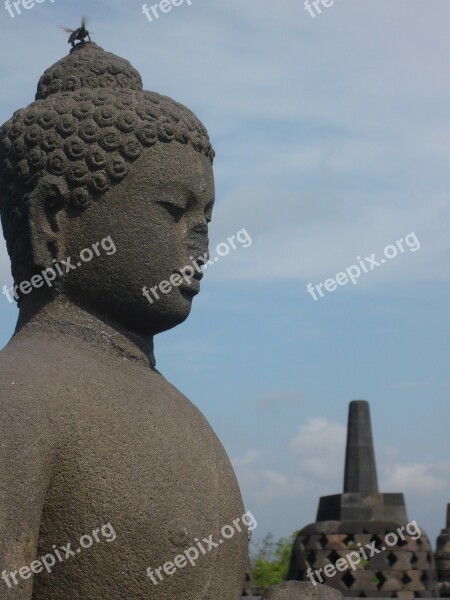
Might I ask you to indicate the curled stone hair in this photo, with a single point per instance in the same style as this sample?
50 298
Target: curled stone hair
90 120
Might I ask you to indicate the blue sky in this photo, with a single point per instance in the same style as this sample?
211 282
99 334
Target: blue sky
331 136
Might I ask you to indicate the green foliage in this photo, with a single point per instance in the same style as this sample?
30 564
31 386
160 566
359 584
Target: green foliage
364 562
270 560
365 565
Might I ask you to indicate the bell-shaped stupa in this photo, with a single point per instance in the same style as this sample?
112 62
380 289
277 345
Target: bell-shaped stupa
362 542
442 558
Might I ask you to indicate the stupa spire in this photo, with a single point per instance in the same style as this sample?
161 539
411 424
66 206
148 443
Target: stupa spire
360 466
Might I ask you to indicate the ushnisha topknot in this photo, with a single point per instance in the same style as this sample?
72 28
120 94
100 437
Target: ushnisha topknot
90 120
88 66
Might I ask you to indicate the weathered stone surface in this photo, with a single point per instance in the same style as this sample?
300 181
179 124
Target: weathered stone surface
91 432
296 590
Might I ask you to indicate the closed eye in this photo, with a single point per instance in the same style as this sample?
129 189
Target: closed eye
176 211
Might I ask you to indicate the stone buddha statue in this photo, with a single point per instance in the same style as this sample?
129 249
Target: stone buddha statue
106 191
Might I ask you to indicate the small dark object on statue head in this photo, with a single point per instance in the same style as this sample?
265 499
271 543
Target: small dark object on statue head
79 34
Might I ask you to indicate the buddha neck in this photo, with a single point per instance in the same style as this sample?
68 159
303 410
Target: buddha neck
66 318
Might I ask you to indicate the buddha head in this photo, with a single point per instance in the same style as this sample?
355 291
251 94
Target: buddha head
97 167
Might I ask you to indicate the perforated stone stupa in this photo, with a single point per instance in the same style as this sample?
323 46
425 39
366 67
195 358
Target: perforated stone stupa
442 557
361 515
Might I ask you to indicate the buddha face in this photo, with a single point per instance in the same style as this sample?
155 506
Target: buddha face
157 219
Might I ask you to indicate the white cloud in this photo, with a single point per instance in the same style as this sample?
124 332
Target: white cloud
251 457
317 448
266 487
276 480
417 478
320 445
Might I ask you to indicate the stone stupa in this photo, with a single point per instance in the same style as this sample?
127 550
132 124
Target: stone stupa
442 558
361 515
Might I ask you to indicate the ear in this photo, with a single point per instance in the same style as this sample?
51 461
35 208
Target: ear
43 204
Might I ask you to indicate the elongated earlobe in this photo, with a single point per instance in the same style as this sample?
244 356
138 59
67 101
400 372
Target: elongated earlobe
43 205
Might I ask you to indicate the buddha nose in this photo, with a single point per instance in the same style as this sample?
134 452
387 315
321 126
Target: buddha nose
198 241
